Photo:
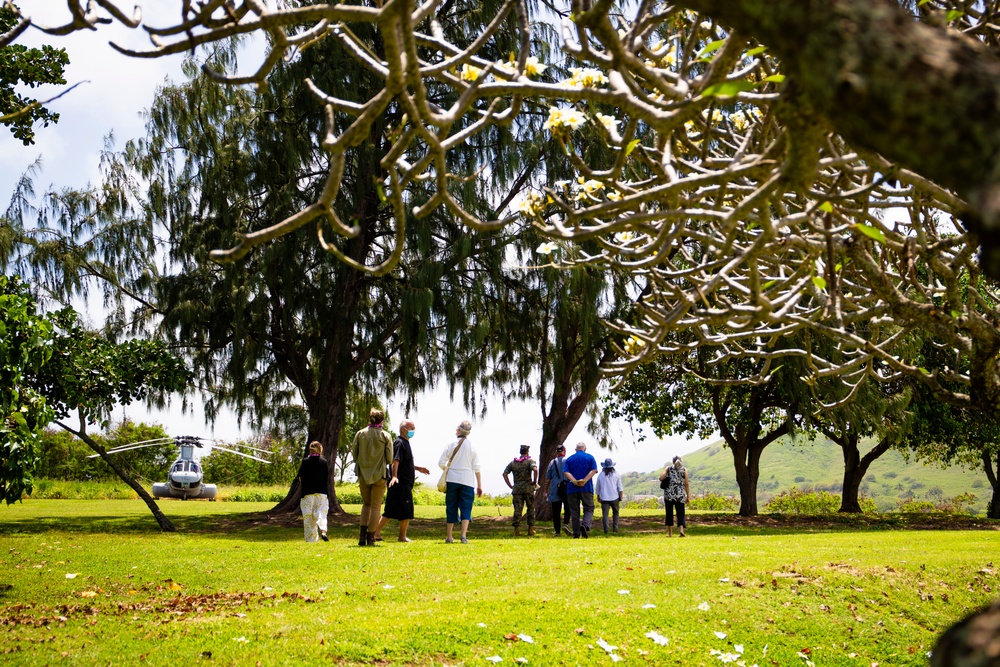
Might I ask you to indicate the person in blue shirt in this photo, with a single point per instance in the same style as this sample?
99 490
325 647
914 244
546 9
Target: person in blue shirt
579 469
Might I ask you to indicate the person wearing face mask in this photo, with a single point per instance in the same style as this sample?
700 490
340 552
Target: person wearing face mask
676 494
399 495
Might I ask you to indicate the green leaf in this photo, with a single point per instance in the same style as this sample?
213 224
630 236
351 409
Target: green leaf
819 282
761 49
838 267
711 47
769 283
826 207
631 147
953 15
922 3
955 314
871 232
728 89
775 78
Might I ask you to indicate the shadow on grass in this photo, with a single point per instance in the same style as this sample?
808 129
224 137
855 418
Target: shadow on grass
263 527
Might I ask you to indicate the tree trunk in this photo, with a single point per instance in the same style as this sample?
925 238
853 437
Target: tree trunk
855 468
993 474
747 463
325 428
161 519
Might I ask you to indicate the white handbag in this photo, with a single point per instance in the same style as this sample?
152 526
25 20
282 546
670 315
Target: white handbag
443 482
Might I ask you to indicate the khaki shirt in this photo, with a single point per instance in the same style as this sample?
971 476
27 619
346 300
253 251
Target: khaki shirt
372 452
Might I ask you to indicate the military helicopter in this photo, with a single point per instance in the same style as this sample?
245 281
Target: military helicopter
184 478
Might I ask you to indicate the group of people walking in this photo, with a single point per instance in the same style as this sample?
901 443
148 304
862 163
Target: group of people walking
572 482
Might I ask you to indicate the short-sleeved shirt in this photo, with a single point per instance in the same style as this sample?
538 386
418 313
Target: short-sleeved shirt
315 475
405 472
579 466
522 474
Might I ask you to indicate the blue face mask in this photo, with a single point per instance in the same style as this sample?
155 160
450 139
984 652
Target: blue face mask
409 434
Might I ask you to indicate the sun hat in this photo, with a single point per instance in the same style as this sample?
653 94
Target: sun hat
608 463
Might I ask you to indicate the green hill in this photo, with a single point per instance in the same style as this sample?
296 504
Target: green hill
818 464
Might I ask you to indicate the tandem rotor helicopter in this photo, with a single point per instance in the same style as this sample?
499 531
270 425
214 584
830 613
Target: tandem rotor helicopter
184 480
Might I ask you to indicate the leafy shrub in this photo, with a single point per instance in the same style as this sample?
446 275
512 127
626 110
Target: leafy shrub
52 489
799 480
714 502
891 475
912 506
794 501
650 503
960 504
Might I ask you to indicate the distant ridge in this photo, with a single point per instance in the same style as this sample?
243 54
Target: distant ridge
818 464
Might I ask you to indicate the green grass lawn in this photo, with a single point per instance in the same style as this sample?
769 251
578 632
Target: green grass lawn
229 590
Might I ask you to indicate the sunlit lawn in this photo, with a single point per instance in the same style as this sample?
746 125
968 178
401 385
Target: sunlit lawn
228 591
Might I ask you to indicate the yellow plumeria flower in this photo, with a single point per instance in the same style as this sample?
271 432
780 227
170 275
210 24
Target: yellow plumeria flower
591 186
532 204
615 196
547 248
469 73
739 120
624 237
716 115
634 345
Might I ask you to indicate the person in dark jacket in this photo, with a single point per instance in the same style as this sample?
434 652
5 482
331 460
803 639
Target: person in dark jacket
314 476
399 494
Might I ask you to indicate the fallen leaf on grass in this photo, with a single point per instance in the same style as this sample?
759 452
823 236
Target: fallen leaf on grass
176 587
88 594
511 637
523 661
72 575
579 631
657 637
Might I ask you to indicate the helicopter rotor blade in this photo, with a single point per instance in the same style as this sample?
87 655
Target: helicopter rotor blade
125 448
233 451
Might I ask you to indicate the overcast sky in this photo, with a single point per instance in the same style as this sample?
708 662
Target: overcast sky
116 91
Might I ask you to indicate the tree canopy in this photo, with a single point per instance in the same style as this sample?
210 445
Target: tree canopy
21 66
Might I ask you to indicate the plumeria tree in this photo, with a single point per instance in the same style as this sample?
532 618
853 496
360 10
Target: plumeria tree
774 168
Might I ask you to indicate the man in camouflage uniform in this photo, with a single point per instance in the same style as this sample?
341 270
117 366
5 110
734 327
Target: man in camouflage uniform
525 472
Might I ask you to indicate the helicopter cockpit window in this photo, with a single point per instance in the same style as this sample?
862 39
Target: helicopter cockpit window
178 467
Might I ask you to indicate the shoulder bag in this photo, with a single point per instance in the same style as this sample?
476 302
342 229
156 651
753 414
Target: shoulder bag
665 482
563 483
443 482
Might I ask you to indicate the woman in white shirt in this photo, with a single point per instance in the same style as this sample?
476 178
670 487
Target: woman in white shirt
463 481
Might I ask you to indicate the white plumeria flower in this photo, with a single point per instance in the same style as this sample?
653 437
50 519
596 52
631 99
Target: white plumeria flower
716 115
704 606
573 119
531 205
526 639
506 67
590 186
532 67
469 73
657 637
610 123
720 635
738 648
623 237
739 120
585 77
547 248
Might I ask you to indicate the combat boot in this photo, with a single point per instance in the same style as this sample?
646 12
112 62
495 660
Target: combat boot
517 531
363 540
369 539
531 531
